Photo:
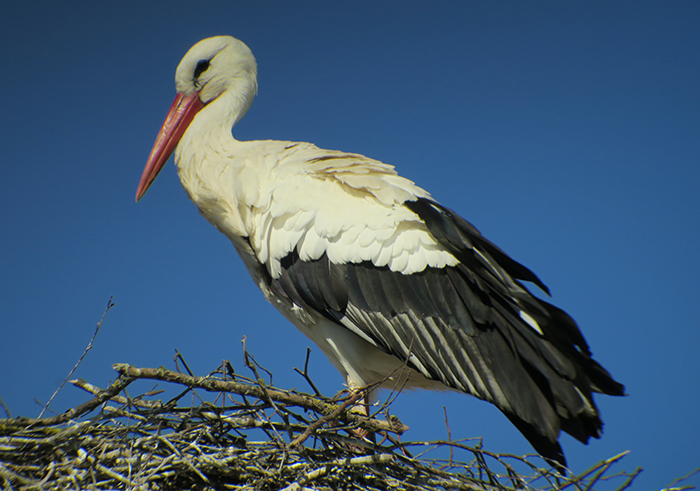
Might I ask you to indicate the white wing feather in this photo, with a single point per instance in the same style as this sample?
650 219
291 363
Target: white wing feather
284 196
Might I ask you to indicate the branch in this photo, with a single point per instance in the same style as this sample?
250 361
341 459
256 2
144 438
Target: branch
214 385
115 388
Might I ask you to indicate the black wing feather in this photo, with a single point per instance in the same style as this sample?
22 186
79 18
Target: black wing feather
463 325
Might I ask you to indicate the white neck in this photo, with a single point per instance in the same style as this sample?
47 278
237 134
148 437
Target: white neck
206 161
213 124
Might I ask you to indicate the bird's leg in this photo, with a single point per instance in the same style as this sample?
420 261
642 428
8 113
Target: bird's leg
362 408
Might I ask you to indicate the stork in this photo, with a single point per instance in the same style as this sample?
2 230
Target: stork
395 288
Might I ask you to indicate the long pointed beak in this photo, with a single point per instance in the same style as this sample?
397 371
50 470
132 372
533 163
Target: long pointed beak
176 122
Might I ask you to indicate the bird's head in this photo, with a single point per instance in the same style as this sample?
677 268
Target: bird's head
216 65
212 67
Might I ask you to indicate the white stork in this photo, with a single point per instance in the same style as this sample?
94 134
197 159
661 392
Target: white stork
394 288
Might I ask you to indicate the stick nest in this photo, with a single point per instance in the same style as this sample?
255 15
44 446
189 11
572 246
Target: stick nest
226 431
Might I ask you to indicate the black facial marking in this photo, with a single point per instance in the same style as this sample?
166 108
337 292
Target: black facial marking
202 66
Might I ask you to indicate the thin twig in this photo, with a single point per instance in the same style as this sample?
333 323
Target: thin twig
449 434
673 487
254 365
305 373
247 357
5 408
115 388
178 356
631 478
324 419
82 357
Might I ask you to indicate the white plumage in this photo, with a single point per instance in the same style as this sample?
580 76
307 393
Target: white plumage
393 287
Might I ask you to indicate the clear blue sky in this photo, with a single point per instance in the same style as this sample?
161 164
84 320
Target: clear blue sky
567 132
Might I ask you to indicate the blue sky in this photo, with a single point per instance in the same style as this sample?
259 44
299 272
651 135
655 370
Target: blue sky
567 132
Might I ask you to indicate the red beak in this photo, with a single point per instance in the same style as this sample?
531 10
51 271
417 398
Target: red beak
176 122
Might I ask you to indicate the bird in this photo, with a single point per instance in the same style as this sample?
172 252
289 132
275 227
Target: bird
396 289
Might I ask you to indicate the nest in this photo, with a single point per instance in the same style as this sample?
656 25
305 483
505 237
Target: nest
227 431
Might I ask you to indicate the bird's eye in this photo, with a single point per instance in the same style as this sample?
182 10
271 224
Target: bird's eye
202 66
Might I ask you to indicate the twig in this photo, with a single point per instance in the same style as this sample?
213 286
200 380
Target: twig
178 356
449 434
324 419
115 388
603 464
305 373
247 357
357 461
631 477
5 408
673 487
138 402
82 357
